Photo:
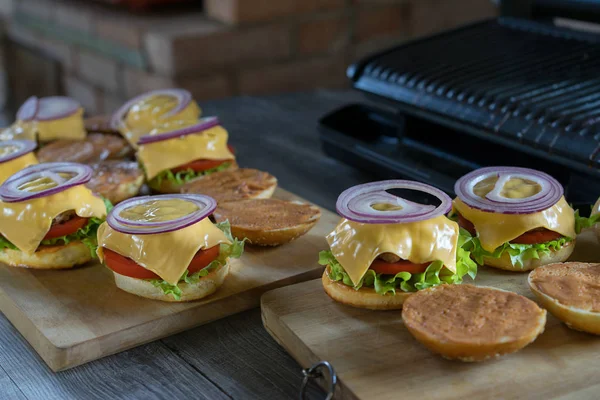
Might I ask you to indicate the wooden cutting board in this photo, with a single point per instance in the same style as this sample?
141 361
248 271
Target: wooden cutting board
375 357
72 317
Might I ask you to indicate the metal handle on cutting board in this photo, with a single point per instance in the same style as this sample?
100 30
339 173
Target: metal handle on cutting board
314 373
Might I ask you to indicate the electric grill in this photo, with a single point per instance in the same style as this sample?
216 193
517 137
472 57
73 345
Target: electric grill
516 90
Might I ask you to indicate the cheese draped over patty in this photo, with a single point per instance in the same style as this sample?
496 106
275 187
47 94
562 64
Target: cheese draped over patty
169 254
26 223
356 245
496 229
149 113
13 166
210 144
71 127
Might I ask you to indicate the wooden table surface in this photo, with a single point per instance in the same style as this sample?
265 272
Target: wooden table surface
233 358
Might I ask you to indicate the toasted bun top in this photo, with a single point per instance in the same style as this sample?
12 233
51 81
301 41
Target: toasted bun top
471 314
232 185
572 284
266 214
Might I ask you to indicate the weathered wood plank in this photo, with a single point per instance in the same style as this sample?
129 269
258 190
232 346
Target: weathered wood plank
249 365
8 389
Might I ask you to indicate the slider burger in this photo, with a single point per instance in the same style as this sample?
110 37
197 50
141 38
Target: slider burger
14 156
517 218
166 248
173 157
46 119
49 218
386 247
145 112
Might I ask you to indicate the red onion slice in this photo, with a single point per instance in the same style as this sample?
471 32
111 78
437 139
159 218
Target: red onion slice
183 100
11 191
202 125
550 193
356 203
29 109
56 107
206 205
11 149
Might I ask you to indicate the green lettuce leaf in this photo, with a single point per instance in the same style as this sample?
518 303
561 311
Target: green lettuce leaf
181 177
584 222
233 250
434 275
519 253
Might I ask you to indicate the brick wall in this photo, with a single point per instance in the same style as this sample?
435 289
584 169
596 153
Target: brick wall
232 47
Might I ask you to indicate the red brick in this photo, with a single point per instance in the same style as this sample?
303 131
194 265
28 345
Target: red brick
238 11
85 93
99 70
208 87
329 33
380 21
204 52
294 76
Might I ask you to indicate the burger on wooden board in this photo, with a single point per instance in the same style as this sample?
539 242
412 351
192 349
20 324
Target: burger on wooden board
46 119
172 156
385 247
49 217
166 248
517 218
145 112
14 156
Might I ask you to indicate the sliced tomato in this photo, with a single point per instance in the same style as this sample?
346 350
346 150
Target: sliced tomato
231 148
126 266
66 228
537 236
466 224
382 267
199 165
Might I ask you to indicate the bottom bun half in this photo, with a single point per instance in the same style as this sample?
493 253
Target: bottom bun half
206 286
364 297
552 257
49 257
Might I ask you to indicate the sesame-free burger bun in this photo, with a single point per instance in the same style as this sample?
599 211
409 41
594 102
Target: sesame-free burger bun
554 256
206 286
166 186
571 292
364 297
472 323
49 257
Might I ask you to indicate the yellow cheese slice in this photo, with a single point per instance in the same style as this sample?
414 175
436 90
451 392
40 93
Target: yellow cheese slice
150 113
356 245
496 229
210 144
71 127
166 254
20 130
13 166
26 223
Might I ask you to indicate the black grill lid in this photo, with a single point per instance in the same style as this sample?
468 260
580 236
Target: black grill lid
526 82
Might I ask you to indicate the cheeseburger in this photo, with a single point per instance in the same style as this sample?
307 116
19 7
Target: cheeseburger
172 156
14 156
386 247
166 248
517 218
49 217
47 119
145 112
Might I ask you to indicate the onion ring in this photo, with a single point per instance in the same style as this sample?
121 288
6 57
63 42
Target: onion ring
21 147
56 107
356 203
551 191
28 109
202 125
206 205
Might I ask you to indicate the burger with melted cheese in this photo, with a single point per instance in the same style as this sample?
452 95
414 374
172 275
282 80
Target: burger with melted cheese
385 247
166 248
49 217
46 119
514 219
172 156
150 110
14 156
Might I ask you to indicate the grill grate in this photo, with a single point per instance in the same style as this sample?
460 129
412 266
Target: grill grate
520 80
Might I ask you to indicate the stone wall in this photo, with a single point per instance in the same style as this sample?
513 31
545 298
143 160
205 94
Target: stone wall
103 56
